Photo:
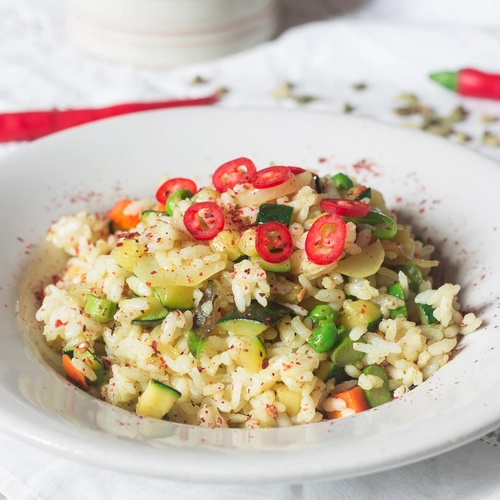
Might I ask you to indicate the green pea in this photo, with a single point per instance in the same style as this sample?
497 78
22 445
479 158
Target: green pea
341 181
318 313
323 336
174 198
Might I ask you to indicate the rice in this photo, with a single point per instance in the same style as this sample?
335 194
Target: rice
297 380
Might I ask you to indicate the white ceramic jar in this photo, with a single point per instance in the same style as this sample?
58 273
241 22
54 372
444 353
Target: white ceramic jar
163 33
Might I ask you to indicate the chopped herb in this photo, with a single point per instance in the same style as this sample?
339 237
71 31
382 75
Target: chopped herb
221 91
304 99
462 137
490 139
359 86
407 110
488 119
284 91
457 115
198 80
347 108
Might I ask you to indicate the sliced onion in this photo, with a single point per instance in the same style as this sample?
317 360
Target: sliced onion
363 264
256 197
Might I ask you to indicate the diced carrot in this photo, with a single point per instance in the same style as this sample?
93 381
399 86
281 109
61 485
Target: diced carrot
354 399
72 373
160 207
124 221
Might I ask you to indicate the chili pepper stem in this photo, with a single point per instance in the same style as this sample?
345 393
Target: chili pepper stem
448 79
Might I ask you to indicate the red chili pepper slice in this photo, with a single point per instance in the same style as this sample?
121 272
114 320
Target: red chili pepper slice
325 240
270 177
233 172
346 208
204 220
173 185
274 242
297 170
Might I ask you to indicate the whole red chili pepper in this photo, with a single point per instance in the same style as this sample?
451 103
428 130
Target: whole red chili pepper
30 125
470 82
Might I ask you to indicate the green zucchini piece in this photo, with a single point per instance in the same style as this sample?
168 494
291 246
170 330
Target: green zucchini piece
396 290
367 193
344 353
360 313
280 267
157 400
378 395
271 212
92 361
155 314
176 296
100 310
327 370
426 313
252 356
254 320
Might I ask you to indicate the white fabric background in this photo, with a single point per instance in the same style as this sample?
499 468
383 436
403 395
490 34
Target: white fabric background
390 45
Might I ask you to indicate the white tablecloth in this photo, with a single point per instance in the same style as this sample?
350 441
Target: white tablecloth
322 59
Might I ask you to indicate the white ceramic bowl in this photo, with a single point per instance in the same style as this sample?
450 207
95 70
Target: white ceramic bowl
164 33
447 191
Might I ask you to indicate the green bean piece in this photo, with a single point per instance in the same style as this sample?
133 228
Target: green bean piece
323 336
341 181
174 198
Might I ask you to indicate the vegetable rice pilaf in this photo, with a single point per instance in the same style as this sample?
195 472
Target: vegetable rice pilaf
272 297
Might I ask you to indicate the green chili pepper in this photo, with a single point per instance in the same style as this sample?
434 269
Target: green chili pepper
174 198
323 336
374 219
322 312
341 181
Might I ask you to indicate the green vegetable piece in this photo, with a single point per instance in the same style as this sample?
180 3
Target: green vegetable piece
327 370
420 238
174 198
195 344
145 213
344 353
376 219
396 290
323 336
414 276
343 182
255 319
322 312
176 296
100 310
154 315
378 395
269 212
92 361
273 267
157 400
317 183
426 313
367 193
